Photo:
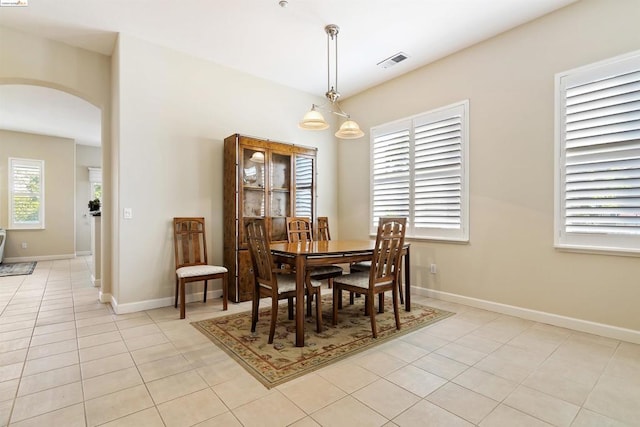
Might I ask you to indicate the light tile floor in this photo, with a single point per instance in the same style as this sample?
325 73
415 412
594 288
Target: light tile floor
67 360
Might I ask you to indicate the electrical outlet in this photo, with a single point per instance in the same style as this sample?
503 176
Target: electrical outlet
433 269
128 213
24 245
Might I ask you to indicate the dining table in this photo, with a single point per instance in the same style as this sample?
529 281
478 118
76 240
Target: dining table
303 255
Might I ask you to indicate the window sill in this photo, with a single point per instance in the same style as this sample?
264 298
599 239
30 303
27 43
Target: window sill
594 250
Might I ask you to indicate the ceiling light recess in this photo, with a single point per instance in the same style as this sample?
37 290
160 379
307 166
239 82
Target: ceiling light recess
314 120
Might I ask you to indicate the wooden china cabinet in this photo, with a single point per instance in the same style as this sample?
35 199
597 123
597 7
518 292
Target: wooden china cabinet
262 179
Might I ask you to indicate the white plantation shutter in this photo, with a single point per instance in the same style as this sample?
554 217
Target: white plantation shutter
26 193
438 172
418 170
304 186
600 156
391 173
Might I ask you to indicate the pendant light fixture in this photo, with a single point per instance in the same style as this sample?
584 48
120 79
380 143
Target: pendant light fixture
314 120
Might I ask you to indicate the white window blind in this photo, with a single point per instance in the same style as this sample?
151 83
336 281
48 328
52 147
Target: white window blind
95 175
391 173
599 156
419 172
304 187
26 193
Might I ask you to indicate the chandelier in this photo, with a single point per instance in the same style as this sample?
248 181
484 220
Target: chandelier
314 120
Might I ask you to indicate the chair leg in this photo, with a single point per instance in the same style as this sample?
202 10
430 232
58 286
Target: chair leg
274 317
372 313
330 282
225 285
309 300
182 299
205 290
175 305
395 306
381 302
318 311
400 287
255 305
351 301
290 308
337 299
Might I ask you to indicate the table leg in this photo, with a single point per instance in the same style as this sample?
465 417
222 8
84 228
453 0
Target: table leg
407 282
300 286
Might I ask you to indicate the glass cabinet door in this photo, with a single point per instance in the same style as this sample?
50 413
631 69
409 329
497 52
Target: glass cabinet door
252 170
279 195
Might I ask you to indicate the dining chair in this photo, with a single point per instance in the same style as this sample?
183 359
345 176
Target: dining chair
271 282
299 230
328 272
190 250
383 275
322 229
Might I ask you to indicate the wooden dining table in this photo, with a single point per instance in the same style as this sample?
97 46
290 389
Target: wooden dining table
302 255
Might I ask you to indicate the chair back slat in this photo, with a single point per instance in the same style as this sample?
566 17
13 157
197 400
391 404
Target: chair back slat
299 229
260 252
388 249
322 232
189 241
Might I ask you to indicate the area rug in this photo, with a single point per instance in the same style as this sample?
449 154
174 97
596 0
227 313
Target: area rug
274 364
17 268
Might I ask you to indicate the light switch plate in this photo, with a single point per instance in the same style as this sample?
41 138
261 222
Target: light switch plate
128 213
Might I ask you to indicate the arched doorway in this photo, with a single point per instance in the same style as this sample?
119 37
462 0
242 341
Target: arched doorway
56 113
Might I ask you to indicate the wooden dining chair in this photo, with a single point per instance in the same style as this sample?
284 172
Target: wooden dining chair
190 250
322 229
299 229
383 275
271 282
328 272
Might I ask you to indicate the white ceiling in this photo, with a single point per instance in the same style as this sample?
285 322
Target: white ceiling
286 45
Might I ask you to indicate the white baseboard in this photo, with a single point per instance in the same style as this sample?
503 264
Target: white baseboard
159 302
39 258
96 282
105 298
587 326
83 253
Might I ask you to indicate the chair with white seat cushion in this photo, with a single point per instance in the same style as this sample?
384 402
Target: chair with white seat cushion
190 249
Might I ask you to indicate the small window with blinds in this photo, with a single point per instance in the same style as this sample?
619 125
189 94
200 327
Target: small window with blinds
26 193
598 156
304 187
419 171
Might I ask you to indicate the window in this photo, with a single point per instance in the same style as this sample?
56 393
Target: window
95 183
420 170
26 193
598 156
304 186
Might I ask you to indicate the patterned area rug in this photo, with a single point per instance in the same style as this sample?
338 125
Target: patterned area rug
274 364
17 268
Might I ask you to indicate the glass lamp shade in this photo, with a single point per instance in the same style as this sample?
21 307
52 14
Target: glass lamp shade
313 120
349 130
257 157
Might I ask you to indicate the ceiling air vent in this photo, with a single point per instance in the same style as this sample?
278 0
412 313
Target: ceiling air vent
393 60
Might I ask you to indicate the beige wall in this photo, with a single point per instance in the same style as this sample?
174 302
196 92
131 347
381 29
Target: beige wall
173 112
509 81
86 156
57 240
